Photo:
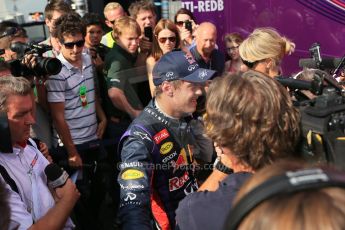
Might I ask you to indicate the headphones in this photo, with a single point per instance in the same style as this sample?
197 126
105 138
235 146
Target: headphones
286 183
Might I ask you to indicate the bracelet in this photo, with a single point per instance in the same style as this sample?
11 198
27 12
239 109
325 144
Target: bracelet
222 167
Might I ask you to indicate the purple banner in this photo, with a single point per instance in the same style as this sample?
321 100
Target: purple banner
303 21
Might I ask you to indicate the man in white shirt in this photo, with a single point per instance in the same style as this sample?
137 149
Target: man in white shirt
33 205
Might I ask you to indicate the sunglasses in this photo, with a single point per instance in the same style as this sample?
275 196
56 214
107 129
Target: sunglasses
70 45
180 23
164 39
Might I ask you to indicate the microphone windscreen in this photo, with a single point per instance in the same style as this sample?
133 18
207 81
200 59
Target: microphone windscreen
294 83
56 176
307 62
53 171
326 63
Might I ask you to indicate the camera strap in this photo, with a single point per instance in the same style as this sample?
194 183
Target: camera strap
8 179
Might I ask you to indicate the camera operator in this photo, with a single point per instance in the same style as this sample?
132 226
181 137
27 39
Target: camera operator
93 38
33 205
11 32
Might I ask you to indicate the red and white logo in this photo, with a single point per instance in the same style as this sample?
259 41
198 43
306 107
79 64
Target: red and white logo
163 134
181 161
178 182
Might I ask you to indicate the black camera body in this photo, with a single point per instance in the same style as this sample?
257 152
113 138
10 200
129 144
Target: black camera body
45 65
323 117
323 128
188 25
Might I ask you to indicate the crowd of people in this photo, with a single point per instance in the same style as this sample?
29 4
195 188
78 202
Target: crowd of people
216 128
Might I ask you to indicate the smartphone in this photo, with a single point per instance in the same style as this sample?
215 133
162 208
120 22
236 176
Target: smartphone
188 26
148 33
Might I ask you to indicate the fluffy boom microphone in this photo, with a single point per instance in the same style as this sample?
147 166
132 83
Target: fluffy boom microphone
326 63
56 176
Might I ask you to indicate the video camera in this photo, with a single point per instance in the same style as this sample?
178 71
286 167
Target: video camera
45 65
323 116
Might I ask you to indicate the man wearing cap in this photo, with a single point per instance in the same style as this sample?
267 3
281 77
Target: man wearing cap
157 149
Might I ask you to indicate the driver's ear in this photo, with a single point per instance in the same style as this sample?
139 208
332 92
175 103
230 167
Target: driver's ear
168 88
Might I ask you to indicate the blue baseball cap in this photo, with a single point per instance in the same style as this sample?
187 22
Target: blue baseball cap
178 65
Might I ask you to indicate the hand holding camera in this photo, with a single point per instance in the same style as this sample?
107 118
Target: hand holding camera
186 32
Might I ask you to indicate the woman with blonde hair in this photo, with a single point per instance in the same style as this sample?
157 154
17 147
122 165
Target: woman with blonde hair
264 50
166 38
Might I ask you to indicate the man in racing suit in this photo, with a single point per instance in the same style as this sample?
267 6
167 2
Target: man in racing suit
157 149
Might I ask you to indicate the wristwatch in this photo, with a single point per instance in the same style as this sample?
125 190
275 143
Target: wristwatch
222 167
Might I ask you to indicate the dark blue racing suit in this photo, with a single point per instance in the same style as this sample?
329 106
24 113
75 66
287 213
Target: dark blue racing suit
156 170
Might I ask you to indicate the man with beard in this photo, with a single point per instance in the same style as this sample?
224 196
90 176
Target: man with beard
156 169
204 51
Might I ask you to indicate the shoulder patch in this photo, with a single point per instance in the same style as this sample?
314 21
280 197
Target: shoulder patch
142 135
132 174
160 136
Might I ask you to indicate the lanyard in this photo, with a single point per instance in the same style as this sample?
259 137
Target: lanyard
83 96
36 202
32 164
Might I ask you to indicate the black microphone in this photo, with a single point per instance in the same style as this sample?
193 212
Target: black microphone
326 63
56 176
294 83
315 86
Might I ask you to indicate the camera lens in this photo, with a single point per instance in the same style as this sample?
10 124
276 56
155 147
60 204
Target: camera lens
50 66
53 66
